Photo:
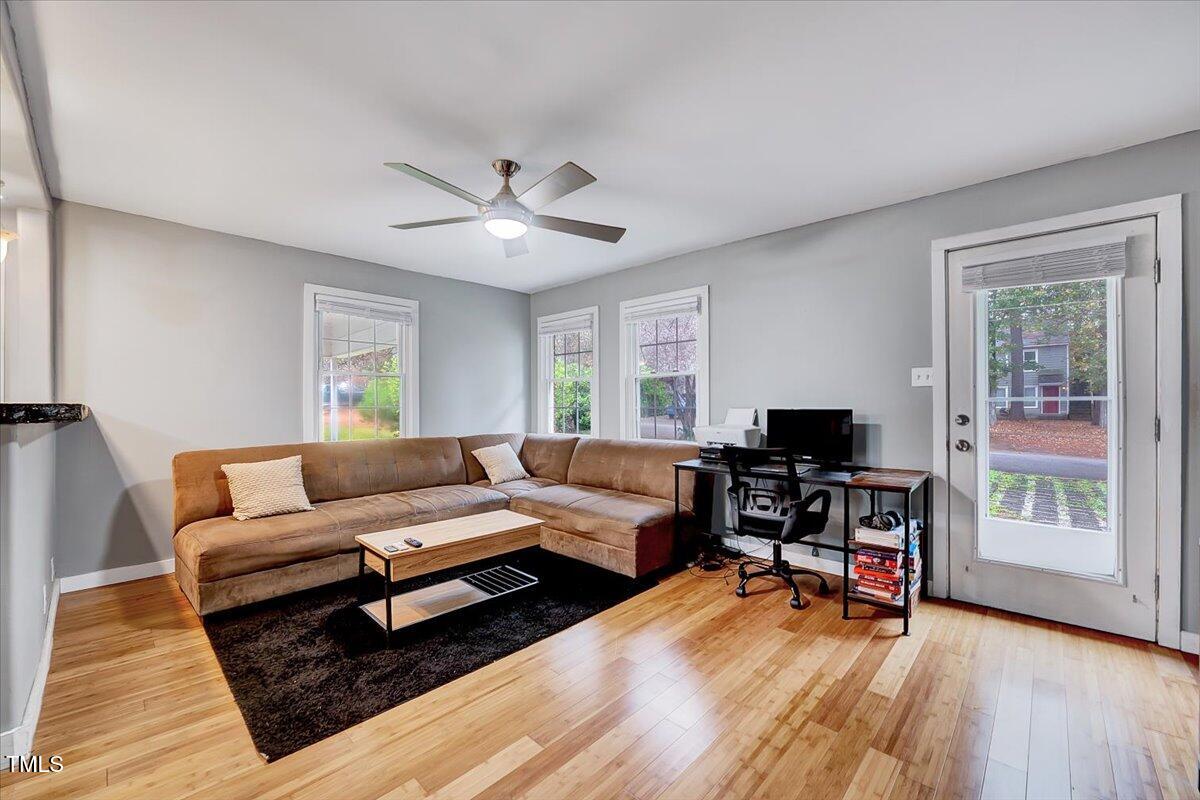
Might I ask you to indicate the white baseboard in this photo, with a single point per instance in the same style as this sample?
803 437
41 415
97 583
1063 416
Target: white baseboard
1189 642
19 740
105 577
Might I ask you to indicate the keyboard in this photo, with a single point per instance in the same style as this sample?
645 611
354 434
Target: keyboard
828 475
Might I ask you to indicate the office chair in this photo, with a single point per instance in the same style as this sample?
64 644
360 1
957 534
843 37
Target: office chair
782 517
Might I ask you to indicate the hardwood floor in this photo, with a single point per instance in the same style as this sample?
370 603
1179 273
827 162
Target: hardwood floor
682 693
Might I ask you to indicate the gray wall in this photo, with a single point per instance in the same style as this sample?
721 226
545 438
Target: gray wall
26 547
836 313
26 464
181 338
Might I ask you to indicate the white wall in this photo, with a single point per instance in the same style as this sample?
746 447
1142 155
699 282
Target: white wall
837 312
180 338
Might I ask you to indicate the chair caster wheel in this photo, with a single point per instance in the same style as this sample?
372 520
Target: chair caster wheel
824 590
796 604
740 591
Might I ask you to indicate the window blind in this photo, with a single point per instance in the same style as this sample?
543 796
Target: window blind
1082 263
572 324
662 308
378 311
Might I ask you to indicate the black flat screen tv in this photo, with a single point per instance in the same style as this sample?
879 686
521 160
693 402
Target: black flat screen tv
821 435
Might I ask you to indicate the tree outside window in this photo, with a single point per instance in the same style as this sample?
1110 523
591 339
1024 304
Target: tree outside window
666 377
572 368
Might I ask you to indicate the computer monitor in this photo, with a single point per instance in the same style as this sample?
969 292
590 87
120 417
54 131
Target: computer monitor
821 435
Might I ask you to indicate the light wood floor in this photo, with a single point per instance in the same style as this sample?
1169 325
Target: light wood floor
684 692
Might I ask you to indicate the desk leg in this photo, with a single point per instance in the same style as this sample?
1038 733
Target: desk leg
845 552
905 560
675 520
926 535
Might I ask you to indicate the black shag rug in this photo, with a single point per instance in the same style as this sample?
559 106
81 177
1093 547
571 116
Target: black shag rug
308 665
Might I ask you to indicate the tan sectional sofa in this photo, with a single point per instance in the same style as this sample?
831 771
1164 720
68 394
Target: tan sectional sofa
606 502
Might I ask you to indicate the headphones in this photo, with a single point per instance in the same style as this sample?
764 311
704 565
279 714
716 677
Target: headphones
883 521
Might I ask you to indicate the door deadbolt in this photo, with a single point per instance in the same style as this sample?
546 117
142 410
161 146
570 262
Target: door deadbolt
962 445
962 419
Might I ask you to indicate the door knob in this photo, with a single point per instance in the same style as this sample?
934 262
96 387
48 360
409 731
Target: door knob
962 419
962 445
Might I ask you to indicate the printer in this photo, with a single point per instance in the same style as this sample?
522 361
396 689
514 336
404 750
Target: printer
740 429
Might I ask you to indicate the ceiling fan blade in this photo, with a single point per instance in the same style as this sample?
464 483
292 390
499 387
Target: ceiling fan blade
592 230
408 226
515 247
564 180
409 169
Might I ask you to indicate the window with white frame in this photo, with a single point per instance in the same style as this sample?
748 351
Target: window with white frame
568 372
360 365
1030 395
664 365
1002 402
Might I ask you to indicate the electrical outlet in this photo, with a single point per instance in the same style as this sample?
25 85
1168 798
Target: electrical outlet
922 376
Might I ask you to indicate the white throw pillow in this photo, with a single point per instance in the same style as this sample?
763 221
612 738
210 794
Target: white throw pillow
500 463
266 488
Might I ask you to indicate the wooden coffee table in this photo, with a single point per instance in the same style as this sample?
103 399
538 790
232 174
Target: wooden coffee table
446 543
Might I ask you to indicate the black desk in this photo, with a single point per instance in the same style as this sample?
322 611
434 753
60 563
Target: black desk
873 480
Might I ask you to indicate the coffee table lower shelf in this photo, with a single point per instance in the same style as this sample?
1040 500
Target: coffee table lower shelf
424 604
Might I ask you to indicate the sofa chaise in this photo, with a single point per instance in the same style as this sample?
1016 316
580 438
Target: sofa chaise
607 502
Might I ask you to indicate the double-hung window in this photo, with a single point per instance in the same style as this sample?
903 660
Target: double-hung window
360 364
568 375
664 365
1001 399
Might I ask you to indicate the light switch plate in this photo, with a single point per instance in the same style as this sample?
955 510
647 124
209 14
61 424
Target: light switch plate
922 376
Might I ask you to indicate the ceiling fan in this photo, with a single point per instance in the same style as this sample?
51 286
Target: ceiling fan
507 216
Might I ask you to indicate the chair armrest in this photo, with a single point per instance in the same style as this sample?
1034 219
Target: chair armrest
820 494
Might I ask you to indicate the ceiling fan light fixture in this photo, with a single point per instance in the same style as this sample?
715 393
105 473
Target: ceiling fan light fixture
507 221
505 228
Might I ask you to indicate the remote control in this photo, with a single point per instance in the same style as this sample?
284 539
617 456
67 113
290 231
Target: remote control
411 542
391 548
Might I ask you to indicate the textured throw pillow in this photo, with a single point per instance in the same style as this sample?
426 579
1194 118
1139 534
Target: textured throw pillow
266 488
500 463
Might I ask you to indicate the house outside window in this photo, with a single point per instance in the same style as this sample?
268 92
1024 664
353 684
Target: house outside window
1045 372
664 365
568 372
360 365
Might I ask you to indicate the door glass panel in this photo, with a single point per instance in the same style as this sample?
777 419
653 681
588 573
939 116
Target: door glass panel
1049 456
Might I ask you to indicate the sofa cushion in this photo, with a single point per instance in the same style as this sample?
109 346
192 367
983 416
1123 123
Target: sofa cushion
400 509
548 455
614 518
223 547
636 467
332 471
514 488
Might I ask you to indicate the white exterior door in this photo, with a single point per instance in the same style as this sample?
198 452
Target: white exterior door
1052 404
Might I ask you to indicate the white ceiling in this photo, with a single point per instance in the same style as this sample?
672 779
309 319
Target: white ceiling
704 123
